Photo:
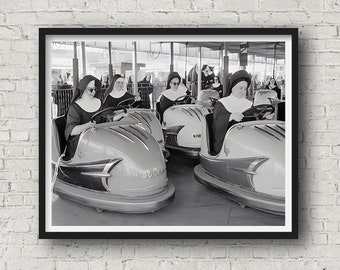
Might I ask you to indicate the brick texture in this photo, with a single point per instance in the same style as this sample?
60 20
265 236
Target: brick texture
319 132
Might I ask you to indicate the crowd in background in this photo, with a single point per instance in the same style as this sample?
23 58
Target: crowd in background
148 94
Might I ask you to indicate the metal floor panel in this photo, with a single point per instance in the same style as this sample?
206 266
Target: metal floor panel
194 204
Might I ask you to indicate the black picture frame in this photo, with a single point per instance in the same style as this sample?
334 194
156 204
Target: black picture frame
291 233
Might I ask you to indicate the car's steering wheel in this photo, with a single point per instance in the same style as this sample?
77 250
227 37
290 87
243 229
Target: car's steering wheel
213 100
129 105
109 116
183 99
257 112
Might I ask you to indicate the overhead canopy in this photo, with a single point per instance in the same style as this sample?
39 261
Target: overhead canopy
264 49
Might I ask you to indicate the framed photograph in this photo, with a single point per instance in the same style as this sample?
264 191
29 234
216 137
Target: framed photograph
168 133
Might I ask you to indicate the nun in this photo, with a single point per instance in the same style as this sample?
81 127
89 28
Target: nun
117 92
228 110
85 103
174 90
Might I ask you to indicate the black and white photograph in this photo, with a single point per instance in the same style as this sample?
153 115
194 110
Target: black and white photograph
168 133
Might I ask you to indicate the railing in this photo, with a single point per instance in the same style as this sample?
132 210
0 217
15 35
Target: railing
62 97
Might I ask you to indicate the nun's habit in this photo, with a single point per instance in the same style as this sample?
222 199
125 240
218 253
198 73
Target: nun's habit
113 98
224 107
76 115
168 97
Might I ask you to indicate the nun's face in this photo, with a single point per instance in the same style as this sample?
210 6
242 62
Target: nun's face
174 83
119 84
240 89
91 89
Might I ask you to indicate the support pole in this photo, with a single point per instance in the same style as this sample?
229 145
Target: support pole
134 69
186 63
171 57
221 63
83 57
253 77
226 69
110 63
243 55
265 68
75 67
274 64
199 71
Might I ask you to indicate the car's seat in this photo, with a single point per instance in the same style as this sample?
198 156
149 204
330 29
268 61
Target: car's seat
58 129
158 109
263 96
210 137
281 111
209 118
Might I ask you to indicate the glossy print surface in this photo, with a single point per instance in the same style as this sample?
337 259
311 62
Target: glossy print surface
206 98
137 149
250 165
93 175
241 195
188 116
149 121
119 159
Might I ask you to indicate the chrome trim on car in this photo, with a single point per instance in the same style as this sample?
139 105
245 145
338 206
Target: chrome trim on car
108 168
122 134
147 115
146 120
253 167
135 135
280 127
247 171
98 163
267 132
242 169
199 118
271 127
184 151
187 111
200 112
111 202
139 131
141 119
239 194
174 130
134 116
98 174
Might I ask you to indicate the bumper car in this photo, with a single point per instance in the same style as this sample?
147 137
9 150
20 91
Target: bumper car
117 166
149 122
250 167
267 96
207 98
182 126
147 119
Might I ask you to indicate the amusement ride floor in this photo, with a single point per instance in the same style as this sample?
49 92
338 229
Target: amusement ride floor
194 204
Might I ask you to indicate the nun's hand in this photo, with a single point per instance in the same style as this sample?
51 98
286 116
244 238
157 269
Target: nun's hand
268 116
89 125
236 116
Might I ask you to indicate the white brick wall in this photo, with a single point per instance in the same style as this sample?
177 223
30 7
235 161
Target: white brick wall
319 136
